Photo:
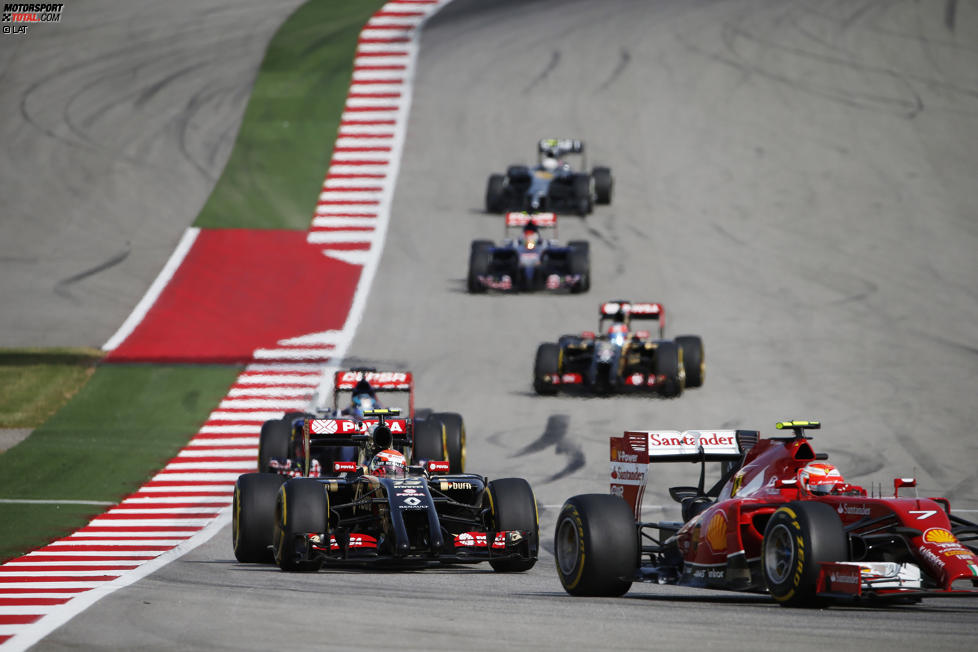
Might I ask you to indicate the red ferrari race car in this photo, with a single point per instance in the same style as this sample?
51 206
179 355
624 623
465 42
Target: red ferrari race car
429 435
778 519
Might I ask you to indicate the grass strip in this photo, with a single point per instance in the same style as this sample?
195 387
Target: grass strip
35 383
274 175
123 425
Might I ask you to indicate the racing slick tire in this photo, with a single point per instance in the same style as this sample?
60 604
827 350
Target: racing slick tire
580 263
454 432
512 506
273 442
429 441
494 193
253 517
301 507
797 538
596 545
582 193
602 185
547 363
668 362
694 359
478 265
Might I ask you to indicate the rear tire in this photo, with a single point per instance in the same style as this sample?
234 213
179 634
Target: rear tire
513 507
429 441
253 517
669 364
797 538
602 185
580 263
547 363
301 507
454 439
273 442
596 545
582 194
694 359
494 193
479 255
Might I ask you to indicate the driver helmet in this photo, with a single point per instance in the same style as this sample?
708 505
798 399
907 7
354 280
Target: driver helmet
531 236
617 332
820 478
388 463
550 161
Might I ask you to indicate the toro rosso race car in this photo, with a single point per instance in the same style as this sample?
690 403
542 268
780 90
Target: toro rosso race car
380 509
778 519
618 359
550 185
428 435
529 262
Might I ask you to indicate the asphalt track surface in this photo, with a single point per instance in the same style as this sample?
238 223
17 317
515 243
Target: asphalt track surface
117 123
793 182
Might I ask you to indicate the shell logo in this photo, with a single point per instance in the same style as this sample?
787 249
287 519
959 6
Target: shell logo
716 532
939 535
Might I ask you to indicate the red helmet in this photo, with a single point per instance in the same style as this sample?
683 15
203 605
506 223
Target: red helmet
820 478
388 463
531 237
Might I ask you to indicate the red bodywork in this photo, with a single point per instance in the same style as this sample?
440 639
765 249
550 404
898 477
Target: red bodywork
721 547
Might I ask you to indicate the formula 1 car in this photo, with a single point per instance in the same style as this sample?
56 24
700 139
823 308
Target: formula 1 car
530 262
368 514
429 435
777 519
617 359
550 185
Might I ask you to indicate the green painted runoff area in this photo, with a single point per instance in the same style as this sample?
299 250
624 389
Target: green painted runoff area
275 173
129 420
121 427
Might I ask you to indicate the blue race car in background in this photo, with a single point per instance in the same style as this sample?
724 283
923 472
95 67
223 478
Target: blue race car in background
529 262
550 185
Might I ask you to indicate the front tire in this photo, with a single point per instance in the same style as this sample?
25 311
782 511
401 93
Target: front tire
253 517
273 442
596 545
301 507
797 538
513 507
479 263
580 263
494 193
547 363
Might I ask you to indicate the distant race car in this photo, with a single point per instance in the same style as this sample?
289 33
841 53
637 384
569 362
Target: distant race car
550 185
429 435
618 359
529 262
380 510
778 519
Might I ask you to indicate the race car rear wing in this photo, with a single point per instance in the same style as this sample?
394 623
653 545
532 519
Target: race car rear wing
380 381
560 146
628 310
541 220
381 429
632 453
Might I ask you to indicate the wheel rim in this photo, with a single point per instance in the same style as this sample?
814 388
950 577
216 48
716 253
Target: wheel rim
779 554
567 546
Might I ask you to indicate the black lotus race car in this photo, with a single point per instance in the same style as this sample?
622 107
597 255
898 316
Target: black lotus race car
617 359
358 516
550 185
531 262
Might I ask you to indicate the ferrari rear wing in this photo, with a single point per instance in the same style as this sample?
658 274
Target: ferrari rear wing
632 453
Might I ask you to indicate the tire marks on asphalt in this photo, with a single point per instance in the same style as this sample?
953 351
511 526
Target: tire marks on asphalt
555 434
